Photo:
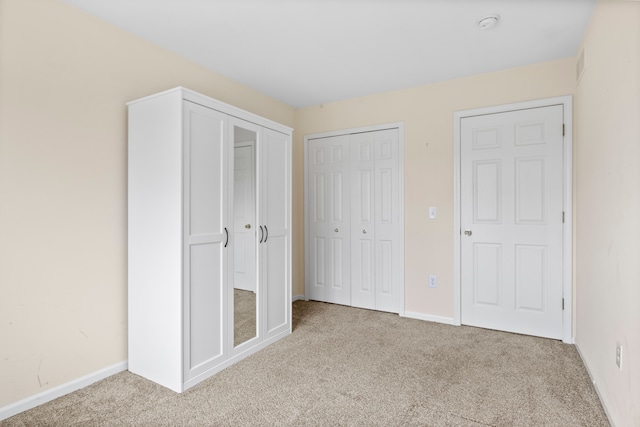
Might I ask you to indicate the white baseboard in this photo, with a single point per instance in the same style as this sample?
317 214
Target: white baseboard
61 390
297 298
429 318
603 400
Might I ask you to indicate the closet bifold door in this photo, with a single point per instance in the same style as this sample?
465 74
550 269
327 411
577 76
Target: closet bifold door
375 218
329 219
206 238
363 230
353 219
275 244
387 220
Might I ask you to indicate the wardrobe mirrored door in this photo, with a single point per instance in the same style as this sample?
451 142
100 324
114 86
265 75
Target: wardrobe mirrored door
245 233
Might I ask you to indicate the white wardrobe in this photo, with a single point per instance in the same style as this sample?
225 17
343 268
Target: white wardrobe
353 221
209 203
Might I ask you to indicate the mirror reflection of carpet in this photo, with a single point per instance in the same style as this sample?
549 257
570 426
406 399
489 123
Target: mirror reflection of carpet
244 316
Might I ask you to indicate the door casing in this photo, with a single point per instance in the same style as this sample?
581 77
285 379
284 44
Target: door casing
567 232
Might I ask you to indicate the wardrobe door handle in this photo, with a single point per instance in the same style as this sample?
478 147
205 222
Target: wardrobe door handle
226 232
267 230
261 233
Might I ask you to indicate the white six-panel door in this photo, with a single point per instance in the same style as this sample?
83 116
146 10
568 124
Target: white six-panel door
512 221
375 219
363 227
387 220
329 219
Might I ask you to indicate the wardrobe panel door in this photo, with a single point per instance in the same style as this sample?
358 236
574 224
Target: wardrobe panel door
275 192
206 237
244 286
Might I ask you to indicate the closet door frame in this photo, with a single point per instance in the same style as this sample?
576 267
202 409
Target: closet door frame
307 201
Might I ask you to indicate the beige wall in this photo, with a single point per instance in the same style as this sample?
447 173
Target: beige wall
427 113
64 80
607 181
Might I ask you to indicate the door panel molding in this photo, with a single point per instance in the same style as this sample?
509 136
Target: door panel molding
526 135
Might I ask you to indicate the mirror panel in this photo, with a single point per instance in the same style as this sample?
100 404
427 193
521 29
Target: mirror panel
244 231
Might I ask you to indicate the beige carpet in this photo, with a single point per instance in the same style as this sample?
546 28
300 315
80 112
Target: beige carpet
345 366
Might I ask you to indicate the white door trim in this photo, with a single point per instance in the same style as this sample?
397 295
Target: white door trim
567 233
373 128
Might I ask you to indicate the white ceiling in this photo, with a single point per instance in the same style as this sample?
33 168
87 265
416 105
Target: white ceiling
309 52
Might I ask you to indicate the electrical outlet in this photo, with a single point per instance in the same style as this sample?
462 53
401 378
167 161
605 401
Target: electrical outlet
619 355
433 281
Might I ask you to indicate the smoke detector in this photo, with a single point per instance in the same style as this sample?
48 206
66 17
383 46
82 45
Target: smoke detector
488 22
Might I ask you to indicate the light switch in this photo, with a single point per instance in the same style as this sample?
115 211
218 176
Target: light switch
433 213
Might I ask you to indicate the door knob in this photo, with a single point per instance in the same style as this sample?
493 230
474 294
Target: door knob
336 230
248 226
468 232
364 231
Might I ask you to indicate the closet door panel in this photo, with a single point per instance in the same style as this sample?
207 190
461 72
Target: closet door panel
330 219
318 225
205 202
339 205
387 220
362 225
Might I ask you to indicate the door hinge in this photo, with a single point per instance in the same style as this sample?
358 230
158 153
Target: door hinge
563 217
563 129
563 303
